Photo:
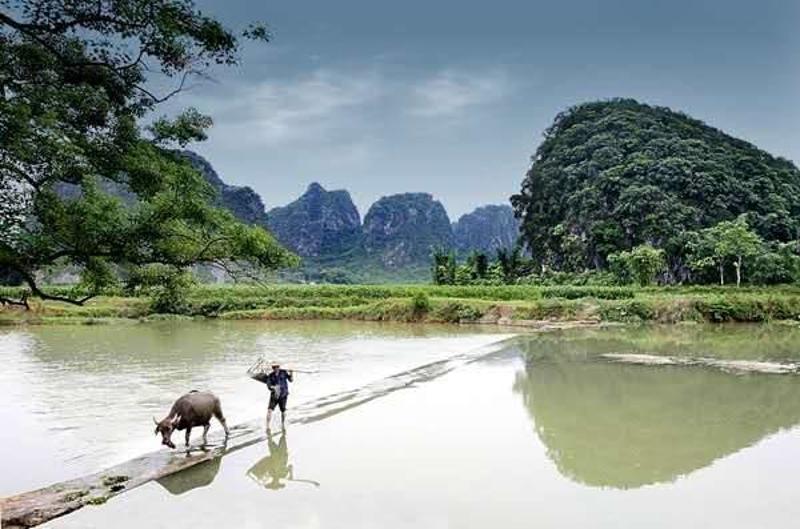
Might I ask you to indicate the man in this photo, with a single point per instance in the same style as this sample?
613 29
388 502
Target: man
278 384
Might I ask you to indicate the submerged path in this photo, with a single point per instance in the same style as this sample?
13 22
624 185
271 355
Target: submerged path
735 366
36 507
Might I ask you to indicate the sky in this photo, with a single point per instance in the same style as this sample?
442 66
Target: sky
451 97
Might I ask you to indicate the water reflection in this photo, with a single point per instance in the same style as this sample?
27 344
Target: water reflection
778 342
274 471
60 383
192 478
624 426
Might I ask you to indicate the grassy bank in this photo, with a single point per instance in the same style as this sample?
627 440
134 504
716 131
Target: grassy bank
450 304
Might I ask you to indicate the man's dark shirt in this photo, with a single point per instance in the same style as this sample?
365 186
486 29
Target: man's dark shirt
280 379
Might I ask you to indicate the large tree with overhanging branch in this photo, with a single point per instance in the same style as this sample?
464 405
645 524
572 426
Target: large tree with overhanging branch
82 181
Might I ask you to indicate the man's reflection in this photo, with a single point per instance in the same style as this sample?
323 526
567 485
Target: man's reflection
274 471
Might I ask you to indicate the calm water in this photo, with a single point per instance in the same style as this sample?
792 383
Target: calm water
542 433
80 398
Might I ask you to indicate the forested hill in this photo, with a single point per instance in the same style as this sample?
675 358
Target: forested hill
611 175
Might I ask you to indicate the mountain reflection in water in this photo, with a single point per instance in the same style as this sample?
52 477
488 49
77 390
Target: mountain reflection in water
626 426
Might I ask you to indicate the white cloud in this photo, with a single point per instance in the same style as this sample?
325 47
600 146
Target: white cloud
449 93
342 109
277 112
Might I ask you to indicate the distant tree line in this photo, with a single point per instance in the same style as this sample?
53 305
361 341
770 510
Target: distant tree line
507 266
728 252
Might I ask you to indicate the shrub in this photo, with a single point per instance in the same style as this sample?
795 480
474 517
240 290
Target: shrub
571 292
641 264
420 305
773 268
167 286
454 312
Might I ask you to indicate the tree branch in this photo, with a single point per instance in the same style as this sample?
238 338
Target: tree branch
39 293
22 302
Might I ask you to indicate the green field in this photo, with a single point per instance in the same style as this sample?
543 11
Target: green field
428 303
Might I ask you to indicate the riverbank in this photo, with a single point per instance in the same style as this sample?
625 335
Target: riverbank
504 305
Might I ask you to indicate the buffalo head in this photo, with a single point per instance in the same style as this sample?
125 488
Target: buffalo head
165 427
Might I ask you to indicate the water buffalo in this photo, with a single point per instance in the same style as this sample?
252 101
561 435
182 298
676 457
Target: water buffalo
193 409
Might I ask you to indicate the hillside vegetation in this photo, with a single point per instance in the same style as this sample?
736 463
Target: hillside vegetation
610 176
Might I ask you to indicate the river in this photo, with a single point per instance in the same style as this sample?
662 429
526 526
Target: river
80 398
543 431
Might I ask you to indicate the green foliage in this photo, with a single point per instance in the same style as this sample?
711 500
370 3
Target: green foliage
464 274
513 263
444 267
641 264
610 176
480 265
495 274
456 312
168 287
81 184
585 278
420 305
726 242
570 292
187 127
780 265
335 276
165 289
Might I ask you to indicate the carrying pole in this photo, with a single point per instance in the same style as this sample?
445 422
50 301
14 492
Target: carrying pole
261 360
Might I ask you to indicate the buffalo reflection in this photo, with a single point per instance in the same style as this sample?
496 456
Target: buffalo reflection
624 426
274 471
200 475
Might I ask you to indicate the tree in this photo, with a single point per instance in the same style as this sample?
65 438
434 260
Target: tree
481 265
511 262
464 274
82 183
444 267
727 241
642 263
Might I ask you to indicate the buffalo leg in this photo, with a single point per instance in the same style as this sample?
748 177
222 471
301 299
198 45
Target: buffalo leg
188 433
205 433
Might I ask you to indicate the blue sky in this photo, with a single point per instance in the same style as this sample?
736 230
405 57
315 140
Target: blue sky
451 97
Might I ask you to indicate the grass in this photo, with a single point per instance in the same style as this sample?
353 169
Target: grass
428 303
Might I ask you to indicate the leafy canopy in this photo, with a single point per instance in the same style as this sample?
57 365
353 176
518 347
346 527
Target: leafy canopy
641 264
81 182
728 242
